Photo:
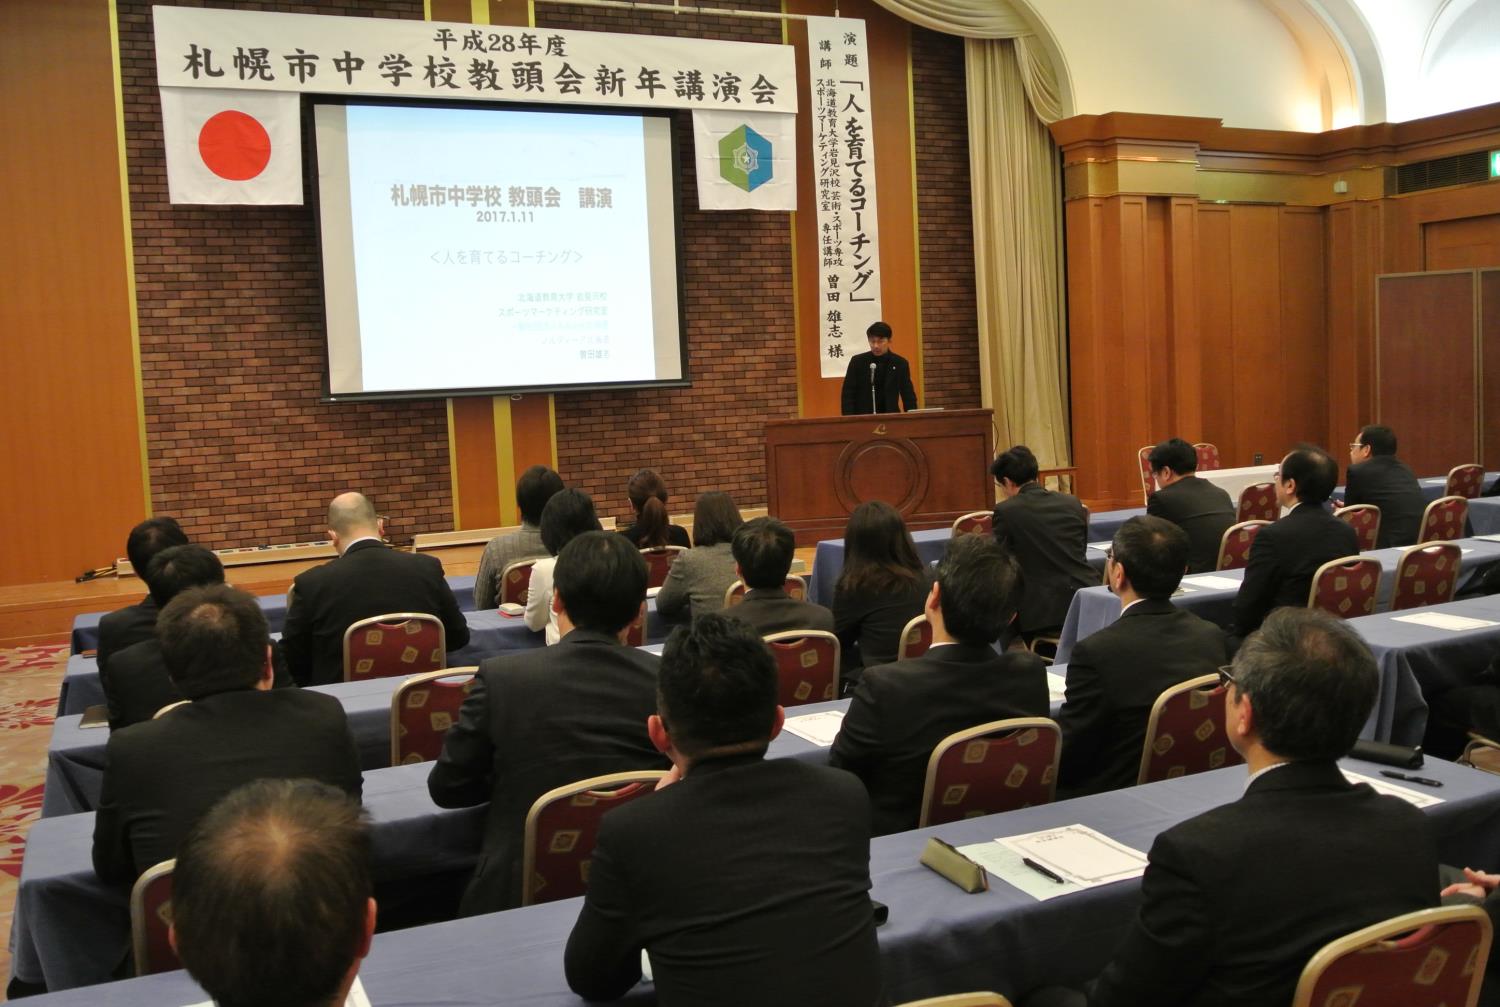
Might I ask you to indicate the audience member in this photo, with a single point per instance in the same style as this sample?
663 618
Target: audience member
367 579
1048 534
134 623
567 515
538 719
901 711
1115 675
763 549
1195 505
1287 552
746 879
536 486
272 901
1376 476
648 496
161 776
882 587
1236 900
699 577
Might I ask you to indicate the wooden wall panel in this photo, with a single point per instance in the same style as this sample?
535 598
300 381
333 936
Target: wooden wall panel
1463 243
1407 219
1254 297
1489 355
1304 374
1353 252
1184 342
1216 329
1088 353
1426 367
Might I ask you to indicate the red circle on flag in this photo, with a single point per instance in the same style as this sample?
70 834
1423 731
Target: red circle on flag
234 145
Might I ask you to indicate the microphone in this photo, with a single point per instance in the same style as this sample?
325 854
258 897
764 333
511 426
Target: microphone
873 407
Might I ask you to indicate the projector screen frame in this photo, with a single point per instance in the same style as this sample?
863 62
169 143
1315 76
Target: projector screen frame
673 118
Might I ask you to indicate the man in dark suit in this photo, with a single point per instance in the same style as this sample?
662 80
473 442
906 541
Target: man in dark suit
1236 900
161 776
1048 534
880 373
1376 476
901 711
538 719
367 579
134 623
763 549
745 879
1115 675
1195 505
1287 552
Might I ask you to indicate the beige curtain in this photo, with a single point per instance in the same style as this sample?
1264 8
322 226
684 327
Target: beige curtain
1016 188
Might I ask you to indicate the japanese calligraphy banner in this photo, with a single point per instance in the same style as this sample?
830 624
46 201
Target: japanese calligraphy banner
257 50
746 161
232 146
844 180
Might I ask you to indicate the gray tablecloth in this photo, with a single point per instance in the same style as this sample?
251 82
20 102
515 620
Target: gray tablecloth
938 940
1484 515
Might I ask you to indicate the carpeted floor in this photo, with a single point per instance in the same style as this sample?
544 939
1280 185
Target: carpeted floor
29 678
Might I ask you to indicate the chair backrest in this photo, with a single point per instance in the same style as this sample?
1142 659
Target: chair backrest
1427 958
795 587
1185 733
1426 575
422 709
1208 457
1444 520
1346 587
994 767
1148 478
916 637
562 828
1481 753
515 581
635 633
807 665
1365 520
1465 481
978 522
961 1000
150 916
1258 503
659 561
1234 545
394 645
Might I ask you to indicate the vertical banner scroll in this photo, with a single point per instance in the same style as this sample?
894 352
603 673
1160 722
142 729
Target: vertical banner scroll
844 186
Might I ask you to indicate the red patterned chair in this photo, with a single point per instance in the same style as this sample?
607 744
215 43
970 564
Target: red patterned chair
394 645
658 561
795 587
1346 587
1465 481
1258 503
1426 575
1148 478
150 916
422 709
916 637
1208 457
562 828
515 582
1365 520
979 522
1444 520
994 767
1428 958
635 633
807 664
1185 733
1234 547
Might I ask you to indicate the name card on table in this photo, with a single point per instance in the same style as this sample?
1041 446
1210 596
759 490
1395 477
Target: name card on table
1442 620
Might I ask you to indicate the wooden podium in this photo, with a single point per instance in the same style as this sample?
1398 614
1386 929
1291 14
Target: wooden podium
931 466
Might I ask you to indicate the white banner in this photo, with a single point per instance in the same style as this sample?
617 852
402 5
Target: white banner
232 146
197 47
746 161
844 179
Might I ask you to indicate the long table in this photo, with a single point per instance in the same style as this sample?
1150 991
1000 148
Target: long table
1484 515
938 940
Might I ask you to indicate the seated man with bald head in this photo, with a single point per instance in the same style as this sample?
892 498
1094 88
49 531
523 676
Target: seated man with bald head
367 579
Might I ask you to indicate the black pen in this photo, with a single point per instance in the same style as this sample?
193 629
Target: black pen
1042 870
1411 779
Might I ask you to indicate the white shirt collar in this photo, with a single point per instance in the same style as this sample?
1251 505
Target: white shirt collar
1132 605
1262 772
362 538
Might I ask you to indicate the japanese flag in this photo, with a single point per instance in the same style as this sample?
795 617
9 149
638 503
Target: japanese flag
232 146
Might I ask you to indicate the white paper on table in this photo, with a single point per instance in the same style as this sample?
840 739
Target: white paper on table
1442 620
1383 786
1079 854
1005 864
1489 538
1057 686
1464 552
1213 583
652 592
1100 546
819 728
356 998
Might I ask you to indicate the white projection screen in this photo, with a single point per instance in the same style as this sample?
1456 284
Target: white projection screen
473 249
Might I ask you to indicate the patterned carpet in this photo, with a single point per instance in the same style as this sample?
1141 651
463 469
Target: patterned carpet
29 678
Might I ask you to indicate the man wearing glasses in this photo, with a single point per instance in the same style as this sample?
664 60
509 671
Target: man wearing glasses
1376 476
